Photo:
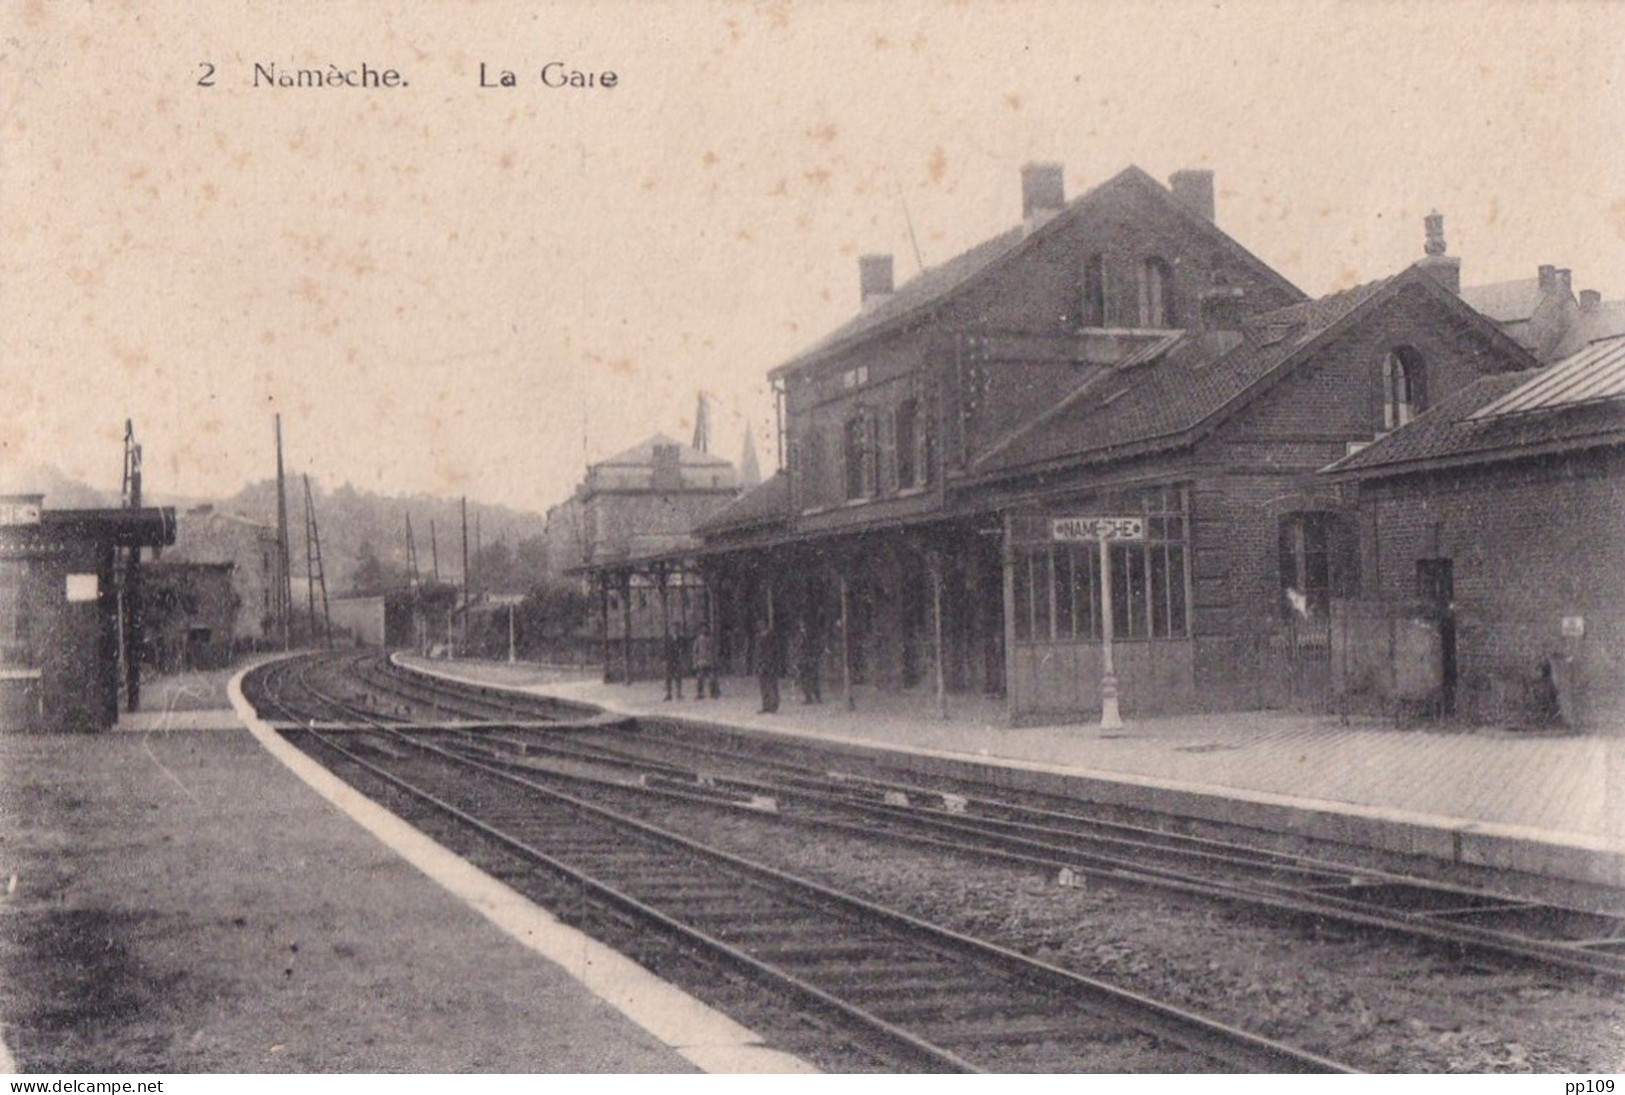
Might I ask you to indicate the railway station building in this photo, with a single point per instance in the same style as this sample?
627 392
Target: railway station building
1495 525
1112 356
69 620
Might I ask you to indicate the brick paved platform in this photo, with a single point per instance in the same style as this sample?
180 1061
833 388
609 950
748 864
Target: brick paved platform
1542 803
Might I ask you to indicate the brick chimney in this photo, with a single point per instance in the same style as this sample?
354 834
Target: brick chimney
1548 277
1222 308
1193 188
1565 282
1043 193
1590 300
666 471
1442 268
874 279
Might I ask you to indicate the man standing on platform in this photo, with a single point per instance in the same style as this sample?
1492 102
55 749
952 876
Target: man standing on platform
769 664
705 663
674 664
809 655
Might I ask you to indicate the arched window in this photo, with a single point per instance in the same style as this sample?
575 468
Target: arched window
1092 299
1404 390
1157 294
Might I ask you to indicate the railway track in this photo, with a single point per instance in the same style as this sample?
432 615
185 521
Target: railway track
976 822
920 996
1578 940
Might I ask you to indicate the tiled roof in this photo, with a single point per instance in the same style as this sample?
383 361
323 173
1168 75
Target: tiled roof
922 289
767 502
1197 378
1505 301
1439 430
642 454
936 283
1461 429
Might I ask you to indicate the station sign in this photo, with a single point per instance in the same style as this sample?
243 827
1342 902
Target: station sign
15 512
1097 528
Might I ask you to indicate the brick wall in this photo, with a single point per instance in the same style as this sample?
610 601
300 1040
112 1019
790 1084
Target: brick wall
1530 543
1043 288
1337 395
1037 291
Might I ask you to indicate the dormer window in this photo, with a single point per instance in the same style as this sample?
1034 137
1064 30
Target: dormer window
1157 294
1404 392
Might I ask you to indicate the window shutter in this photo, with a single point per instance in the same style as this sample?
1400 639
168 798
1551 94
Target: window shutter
886 476
871 454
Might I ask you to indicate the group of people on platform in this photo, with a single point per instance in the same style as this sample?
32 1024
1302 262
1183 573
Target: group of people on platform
774 653
802 650
703 657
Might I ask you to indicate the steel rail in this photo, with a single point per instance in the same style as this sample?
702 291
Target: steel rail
1154 1017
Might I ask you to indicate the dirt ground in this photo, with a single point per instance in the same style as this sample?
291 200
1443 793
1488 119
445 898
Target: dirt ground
179 902
200 690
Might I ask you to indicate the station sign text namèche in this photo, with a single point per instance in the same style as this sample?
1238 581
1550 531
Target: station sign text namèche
1097 528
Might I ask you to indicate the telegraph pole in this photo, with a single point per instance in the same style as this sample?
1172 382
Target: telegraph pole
129 594
314 572
420 627
465 575
284 586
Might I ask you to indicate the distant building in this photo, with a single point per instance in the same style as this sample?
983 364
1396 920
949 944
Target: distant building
205 534
1598 320
191 614
358 620
1542 313
1539 312
641 503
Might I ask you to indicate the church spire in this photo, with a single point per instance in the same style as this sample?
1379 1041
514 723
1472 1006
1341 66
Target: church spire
702 425
750 473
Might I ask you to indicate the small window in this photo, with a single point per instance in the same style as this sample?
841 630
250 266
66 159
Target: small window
1157 294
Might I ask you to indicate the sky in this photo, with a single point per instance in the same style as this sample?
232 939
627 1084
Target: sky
456 289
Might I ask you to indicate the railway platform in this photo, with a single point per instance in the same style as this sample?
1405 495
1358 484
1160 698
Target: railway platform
1541 804
235 915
